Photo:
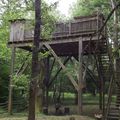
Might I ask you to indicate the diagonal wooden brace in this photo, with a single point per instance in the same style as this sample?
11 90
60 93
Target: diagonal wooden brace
63 67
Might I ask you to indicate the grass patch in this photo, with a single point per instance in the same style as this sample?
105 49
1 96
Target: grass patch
43 117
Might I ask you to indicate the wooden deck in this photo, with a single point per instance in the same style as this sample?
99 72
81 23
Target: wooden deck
65 36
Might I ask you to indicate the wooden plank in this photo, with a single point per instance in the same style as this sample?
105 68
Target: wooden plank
63 67
51 68
10 99
24 65
75 68
17 31
57 40
83 20
109 99
55 76
80 78
46 81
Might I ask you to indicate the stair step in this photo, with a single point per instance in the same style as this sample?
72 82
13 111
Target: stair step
105 57
117 98
117 104
112 118
114 114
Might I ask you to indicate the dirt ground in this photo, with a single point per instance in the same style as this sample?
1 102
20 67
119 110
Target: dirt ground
88 110
49 118
88 114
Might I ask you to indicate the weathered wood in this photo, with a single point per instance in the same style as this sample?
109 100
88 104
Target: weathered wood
22 30
56 40
52 67
10 99
80 80
17 31
46 81
110 89
23 66
63 67
52 80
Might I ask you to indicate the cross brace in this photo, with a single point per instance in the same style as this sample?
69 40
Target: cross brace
63 67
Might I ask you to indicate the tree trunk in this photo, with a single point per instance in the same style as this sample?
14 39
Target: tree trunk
39 101
116 46
76 98
113 3
35 61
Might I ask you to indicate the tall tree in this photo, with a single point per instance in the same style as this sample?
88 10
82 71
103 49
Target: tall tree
87 7
35 61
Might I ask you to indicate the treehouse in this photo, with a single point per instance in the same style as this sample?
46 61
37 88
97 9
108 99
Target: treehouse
81 36
65 37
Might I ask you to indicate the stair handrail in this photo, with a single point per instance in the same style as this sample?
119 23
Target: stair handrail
109 96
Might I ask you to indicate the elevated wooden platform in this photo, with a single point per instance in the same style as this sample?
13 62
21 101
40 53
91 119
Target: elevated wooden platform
75 38
65 37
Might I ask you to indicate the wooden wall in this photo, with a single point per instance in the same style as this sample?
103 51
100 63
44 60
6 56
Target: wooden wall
23 30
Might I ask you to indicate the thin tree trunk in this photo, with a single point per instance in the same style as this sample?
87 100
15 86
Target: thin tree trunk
113 3
116 46
35 61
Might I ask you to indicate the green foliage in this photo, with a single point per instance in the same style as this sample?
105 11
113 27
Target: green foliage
4 79
87 7
20 82
19 9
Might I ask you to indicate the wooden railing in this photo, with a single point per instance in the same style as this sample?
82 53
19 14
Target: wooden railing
21 30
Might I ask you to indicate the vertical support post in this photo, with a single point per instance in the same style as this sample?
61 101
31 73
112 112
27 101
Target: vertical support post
80 77
10 99
47 79
101 96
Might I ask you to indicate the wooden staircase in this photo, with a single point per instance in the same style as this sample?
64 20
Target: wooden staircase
112 109
106 73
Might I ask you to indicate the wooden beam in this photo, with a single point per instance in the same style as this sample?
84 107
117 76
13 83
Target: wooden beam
63 66
52 41
10 99
47 79
23 66
47 70
76 71
23 69
52 67
75 68
80 78
86 70
52 80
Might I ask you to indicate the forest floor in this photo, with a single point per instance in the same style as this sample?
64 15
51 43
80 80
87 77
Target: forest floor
42 117
89 110
88 114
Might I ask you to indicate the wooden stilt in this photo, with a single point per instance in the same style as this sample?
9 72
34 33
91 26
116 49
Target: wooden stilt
10 101
47 79
80 78
23 66
63 67
57 73
52 67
